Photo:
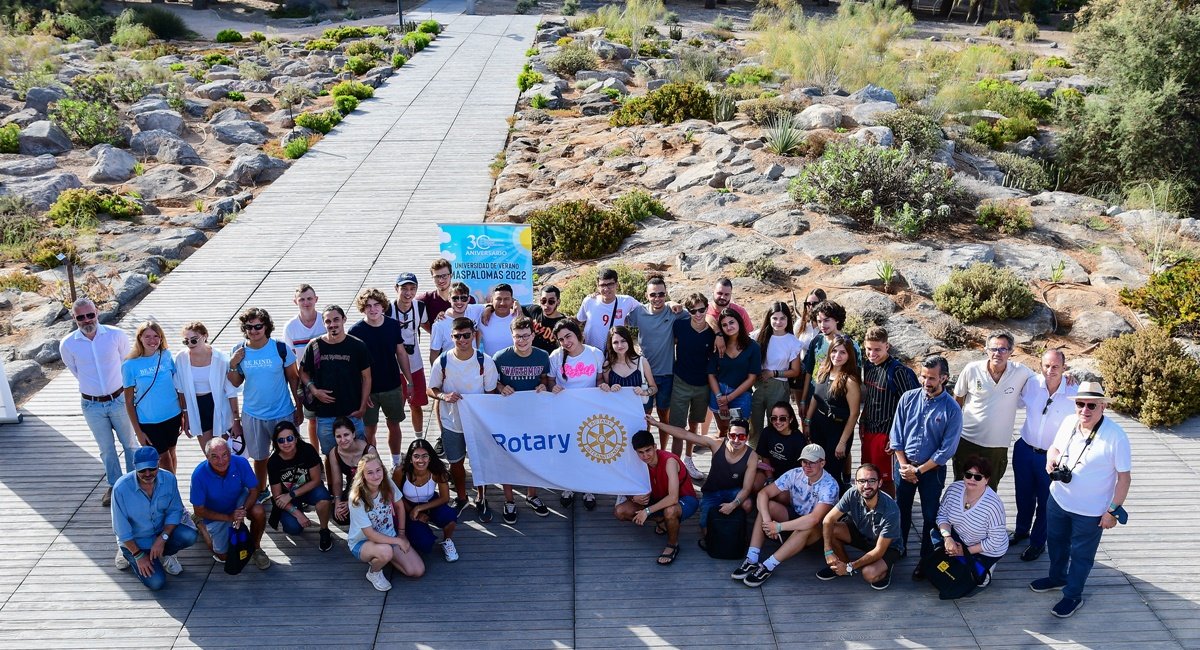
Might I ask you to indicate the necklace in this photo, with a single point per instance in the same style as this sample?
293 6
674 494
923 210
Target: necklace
966 505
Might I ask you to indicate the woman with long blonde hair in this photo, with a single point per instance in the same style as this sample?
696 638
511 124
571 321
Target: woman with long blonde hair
377 534
833 412
148 376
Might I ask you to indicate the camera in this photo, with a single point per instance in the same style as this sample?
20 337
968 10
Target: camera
1060 473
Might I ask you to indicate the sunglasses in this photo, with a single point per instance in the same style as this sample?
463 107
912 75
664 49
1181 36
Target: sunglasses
657 294
698 310
462 337
780 418
1091 406
83 317
739 436
460 298
809 303
973 476
866 481
152 470
285 439
548 301
257 327
191 341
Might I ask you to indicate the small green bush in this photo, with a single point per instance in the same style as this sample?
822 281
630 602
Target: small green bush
356 89
539 101
398 60
1004 218
20 281
921 132
528 78
1171 299
161 22
77 208
322 122
784 138
18 225
1009 129
368 49
766 110
296 148
572 58
345 104
257 36
430 26
321 44
752 76
357 65
1149 376
668 104
576 230
1016 30
1011 100
229 36
637 206
236 96
10 138
570 7
629 282
89 123
417 40
525 6
131 36
45 252
108 87
340 34
984 291
176 67
762 269
1023 173
217 58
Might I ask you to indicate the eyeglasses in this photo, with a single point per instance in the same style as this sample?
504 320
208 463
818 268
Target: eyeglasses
441 276
460 298
973 476
257 327
463 336
999 350
781 418
1091 406
698 310
605 285
657 294
1045 408
285 439
83 317
191 341
866 481
522 337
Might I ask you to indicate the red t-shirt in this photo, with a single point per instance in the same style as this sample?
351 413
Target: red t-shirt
658 478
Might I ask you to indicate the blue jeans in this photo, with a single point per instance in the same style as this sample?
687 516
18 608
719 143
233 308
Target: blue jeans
1071 542
183 536
107 419
710 499
325 433
929 485
290 524
1033 490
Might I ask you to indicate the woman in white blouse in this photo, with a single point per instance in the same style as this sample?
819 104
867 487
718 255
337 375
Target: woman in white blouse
971 516
211 401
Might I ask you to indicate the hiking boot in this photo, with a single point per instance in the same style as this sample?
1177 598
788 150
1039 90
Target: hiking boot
378 580
539 508
171 565
690 466
746 569
450 551
510 512
758 576
326 542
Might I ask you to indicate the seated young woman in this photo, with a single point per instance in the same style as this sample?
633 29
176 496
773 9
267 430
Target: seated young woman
376 525
425 484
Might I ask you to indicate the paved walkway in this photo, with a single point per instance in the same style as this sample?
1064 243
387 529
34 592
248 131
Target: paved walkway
353 213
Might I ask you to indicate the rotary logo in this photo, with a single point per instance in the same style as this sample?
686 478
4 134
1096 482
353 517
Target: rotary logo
602 438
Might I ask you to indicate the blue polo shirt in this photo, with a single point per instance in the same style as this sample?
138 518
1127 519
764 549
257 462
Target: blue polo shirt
222 494
926 428
141 518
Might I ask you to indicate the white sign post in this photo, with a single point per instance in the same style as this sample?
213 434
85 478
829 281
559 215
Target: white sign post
8 408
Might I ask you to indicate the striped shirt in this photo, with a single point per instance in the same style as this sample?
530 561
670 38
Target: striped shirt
982 524
879 400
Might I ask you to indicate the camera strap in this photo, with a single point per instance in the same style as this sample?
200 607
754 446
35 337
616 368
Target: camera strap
1087 443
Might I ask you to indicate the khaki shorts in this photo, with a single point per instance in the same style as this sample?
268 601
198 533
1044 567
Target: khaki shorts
689 404
392 403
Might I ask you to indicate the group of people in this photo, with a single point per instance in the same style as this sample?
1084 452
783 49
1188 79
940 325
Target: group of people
786 397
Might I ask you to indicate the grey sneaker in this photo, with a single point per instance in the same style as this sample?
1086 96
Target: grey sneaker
171 565
120 562
261 560
378 580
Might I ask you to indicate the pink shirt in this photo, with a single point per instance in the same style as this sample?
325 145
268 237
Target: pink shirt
715 311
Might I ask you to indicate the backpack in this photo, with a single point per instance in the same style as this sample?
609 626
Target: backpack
725 538
954 577
894 366
442 361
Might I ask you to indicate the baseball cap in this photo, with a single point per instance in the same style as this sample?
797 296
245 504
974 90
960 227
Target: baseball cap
812 453
145 458
406 278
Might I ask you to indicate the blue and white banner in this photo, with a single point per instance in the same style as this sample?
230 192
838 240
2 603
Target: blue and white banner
485 255
576 440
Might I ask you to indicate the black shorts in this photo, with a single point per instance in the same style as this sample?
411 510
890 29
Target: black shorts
206 406
163 435
891 556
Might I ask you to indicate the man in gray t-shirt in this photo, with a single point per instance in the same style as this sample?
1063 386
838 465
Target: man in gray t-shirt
868 519
656 338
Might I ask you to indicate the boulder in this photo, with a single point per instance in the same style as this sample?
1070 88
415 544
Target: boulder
40 316
603 75
819 116
22 371
1037 262
28 166
708 173
782 224
868 114
113 165
129 286
1044 89
241 132
908 338
44 137
164 182
23 118
1189 228
148 104
300 133
170 243
610 51
729 216
1098 325
41 343
827 244
160 120
1116 270
41 191
865 274
39 99
229 115
878 136
858 301
146 143
255 169
177 152
873 93
1036 325
215 90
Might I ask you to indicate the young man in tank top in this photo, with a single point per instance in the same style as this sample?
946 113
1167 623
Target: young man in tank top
671 500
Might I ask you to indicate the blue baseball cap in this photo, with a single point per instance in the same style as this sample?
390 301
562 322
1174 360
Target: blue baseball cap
145 458
406 278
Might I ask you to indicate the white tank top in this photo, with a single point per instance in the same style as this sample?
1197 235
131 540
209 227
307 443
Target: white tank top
200 380
421 494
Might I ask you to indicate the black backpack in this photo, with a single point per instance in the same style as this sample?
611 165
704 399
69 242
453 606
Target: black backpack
726 535
953 576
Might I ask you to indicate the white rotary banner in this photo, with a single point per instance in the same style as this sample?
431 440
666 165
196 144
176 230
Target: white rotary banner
575 440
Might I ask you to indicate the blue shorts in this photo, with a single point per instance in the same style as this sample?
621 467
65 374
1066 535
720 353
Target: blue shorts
690 505
356 550
714 499
219 530
662 399
455 444
325 433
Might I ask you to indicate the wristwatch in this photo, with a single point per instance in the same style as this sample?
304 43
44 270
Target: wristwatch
849 568
165 537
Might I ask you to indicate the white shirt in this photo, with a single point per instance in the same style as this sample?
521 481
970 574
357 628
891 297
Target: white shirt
579 371
410 328
1039 430
1094 478
440 337
990 410
96 362
784 348
297 335
461 377
497 334
596 316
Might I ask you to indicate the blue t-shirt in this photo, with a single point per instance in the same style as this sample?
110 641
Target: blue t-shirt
222 494
266 394
156 398
521 373
732 372
692 350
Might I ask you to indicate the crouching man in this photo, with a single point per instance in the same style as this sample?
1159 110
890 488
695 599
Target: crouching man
869 520
147 518
672 497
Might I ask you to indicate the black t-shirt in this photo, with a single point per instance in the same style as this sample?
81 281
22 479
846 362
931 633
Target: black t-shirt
338 368
294 471
543 327
381 343
783 452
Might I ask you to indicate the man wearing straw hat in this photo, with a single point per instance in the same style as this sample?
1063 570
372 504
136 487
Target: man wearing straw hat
1089 466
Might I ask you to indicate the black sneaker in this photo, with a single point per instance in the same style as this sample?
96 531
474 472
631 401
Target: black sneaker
746 569
439 449
460 505
482 512
882 583
510 512
1067 607
826 573
326 542
539 508
1042 585
918 573
758 576
589 501
566 499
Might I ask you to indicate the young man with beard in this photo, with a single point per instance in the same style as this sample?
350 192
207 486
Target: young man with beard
868 520
336 370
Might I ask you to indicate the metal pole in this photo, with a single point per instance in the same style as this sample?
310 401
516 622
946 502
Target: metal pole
400 15
71 278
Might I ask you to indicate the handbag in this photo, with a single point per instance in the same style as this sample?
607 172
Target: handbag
240 549
725 538
953 576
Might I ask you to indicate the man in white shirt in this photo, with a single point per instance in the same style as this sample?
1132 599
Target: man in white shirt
304 327
989 393
495 331
1090 465
1048 401
440 339
412 314
604 310
94 353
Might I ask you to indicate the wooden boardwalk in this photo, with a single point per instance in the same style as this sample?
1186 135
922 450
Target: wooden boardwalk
354 213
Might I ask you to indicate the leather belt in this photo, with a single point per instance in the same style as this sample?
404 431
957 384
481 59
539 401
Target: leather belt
103 398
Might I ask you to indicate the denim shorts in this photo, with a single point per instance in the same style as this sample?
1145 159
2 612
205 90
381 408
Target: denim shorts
356 550
219 530
455 444
662 399
325 433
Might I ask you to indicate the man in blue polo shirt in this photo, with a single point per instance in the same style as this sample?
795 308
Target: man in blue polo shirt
149 520
224 494
924 435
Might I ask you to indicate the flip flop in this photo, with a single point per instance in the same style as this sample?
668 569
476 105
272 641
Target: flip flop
669 556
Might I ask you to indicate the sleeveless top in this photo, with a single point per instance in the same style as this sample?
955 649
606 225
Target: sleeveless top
724 475
421 494
658 478
349 470
634 380
834 407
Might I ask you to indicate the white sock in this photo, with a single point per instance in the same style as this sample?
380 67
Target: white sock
395 460
752 555
771 563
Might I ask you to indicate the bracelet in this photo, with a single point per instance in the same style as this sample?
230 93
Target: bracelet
945 533
778 528
139 555
647 512
828 552
807 420
737 501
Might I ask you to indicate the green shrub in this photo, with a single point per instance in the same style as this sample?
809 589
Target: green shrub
176 67
345 104
637 206
784 138
322 122
1169 195
18 225
217 58
1004 217
131 36
539 101
354 88
257 36
576 230
297 148
321 44
253 71
766 110
1021 31
430 26
668 104
573 58
921 132
89 123
10 138
398 60
161 22
629 282
77 208
1149 376
528 78
984 291
236 96
340 34
1011 100
723 23
570 7
697 65
1171 299
1009 129
108 87
890 188
417 41
229 36
752 76
762 269
45 252
357 65
20 281
1023 173
369 49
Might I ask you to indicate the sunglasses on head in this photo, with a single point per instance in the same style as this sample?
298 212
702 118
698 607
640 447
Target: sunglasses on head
257 327
191 341
973 476
462 336
285 439
460 298
83 317
1091 406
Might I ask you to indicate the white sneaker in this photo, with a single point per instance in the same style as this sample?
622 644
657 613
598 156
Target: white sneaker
450 551
120 561
171 565
620 500
378 580
690 466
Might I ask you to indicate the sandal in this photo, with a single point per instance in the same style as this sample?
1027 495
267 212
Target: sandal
668 556
703 544
660 528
